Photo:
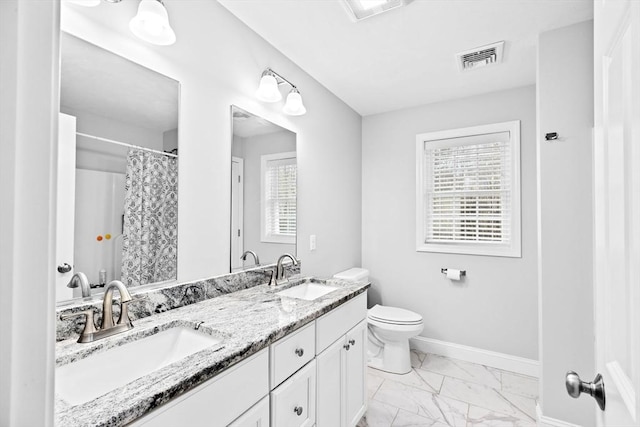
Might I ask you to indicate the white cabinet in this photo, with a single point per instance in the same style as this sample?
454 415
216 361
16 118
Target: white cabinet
293 403
314 376
218 401
291 353
341 380
330 379
355 360
257 416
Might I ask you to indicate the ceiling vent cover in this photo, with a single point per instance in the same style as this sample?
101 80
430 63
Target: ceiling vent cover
480 56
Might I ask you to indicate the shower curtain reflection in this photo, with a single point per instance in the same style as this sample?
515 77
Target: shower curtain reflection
149 252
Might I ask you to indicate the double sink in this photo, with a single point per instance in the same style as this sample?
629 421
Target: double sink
78 383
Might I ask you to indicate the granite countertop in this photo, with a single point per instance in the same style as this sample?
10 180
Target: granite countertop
247 320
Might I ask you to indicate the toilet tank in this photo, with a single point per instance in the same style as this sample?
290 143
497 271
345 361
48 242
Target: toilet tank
353 275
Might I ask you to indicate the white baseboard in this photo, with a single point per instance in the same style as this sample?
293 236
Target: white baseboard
494 359
551 422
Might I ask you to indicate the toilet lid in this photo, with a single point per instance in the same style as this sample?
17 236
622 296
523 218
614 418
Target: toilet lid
398 316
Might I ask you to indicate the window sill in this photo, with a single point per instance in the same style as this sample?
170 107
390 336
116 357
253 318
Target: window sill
462 249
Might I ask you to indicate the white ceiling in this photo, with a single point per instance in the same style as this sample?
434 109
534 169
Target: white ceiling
406 57
99 82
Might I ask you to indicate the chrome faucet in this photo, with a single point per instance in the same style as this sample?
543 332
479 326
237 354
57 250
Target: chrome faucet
108 328
279 276
80 279
255 257
107 308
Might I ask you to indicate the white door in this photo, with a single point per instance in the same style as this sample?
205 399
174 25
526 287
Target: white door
617 207
237 207
65 215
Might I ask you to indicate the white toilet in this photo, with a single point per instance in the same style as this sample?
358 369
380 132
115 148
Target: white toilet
389 331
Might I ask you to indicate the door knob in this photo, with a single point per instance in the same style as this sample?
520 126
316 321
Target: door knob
298 410
575 386
64 268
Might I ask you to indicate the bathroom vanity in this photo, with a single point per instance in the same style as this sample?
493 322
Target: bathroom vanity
289 356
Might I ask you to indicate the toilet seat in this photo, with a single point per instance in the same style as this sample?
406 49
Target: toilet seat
393 316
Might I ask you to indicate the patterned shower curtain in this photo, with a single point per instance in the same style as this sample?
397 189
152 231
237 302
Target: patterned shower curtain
149 252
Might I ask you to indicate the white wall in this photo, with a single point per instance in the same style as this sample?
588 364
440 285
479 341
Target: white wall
218 61
170 140
103 156
495 307
254 148
106 127
29 62
565 106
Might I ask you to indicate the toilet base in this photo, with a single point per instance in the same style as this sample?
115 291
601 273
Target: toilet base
395 358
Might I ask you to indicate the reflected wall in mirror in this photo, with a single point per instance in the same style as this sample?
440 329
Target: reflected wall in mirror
118 170
263 190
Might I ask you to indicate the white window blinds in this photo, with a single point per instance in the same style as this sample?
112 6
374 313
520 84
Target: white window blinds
279 198
469 191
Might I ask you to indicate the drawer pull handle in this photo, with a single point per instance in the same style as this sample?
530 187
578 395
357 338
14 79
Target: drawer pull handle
298 410
352 342
347 347
299 352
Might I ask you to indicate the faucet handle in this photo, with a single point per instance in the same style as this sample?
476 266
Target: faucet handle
89 325
124 313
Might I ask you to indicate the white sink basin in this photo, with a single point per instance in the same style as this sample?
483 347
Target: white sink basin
307 291
95 375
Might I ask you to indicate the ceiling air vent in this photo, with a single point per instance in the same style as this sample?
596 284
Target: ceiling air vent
480 56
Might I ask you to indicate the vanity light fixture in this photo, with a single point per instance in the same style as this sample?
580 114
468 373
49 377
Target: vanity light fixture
151 23
268 91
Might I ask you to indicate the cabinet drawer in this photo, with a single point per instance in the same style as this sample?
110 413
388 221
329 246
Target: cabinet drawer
293 403
291 353
218 401
337 322
257 416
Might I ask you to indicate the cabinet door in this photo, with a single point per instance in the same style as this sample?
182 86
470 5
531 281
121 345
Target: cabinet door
330 378
355 375
293 403
257 416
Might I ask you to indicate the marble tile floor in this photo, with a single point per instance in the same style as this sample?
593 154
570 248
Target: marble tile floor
440 391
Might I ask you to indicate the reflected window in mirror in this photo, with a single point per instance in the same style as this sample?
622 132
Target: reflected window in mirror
263 190
278 191
121 130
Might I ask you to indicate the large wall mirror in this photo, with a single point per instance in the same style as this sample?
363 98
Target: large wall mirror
118 201
263 191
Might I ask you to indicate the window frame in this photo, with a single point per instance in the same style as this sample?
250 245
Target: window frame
266 237
513 248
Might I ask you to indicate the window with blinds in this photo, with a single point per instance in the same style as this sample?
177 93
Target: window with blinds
468 190
278 217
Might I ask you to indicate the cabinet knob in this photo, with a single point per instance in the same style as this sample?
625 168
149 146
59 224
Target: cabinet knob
298 410
299 352
346 347
352 341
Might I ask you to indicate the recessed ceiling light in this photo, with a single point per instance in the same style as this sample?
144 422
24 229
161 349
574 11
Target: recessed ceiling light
362 9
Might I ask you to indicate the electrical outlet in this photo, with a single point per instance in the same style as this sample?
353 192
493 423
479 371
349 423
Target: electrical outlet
312 242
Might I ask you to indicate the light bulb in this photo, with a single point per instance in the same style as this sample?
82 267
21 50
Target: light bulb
268 90
151 23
